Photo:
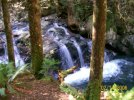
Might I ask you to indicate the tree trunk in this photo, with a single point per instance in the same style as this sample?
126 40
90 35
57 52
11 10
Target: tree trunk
71 20
34 14
58 7
8 30
98 44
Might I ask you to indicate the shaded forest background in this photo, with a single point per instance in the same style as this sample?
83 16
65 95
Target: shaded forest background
120 20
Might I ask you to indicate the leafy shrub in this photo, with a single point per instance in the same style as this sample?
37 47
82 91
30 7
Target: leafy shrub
71 90
20 70
7 74
83 9
115 94
6 71
49 65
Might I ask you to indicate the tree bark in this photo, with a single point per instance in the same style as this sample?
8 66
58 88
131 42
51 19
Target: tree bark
97 55
71 20
58 7
8 30
34 14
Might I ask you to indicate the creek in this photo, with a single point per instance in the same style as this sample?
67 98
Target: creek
72 50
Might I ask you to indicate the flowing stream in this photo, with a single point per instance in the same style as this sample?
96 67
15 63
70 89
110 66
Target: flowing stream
70 48
79 53
4 58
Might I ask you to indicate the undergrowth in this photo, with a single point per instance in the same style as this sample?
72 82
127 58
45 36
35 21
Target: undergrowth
7 74
71 90
48 68
113 94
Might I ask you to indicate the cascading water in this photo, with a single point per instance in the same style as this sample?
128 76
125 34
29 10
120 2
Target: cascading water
18 60
79 53
66 58
115 71
65 55
61 27
4 58
64 50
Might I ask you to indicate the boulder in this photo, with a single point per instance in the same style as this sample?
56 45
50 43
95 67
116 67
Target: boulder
123 44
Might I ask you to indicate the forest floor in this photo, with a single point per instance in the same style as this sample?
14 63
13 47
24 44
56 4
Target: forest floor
28 88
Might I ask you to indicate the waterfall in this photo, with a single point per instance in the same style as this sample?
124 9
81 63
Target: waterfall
65 55
55 25
64 43
18 60
4 59
113 71
119 71
89 43
61 27
67 61
79 53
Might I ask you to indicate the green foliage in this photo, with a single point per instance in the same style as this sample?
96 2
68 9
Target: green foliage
115 94
129 95
19 71
7 74
71 90
110 21
82 11
63 2
6 71
49 65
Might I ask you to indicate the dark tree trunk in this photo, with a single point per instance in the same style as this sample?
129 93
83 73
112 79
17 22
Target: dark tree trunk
58 7
71 20
98 44
34 13
8 30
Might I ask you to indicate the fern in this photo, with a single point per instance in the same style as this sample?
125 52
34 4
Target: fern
20 70
49 65
6 71
2 79
71 90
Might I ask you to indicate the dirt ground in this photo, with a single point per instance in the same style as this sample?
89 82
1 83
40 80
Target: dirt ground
28 88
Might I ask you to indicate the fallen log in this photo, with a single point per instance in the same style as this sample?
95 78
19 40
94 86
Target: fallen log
62 74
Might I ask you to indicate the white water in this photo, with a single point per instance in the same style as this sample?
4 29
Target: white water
18 60
110 69
61 27
67 61
65 55
79 53
89 43
4 59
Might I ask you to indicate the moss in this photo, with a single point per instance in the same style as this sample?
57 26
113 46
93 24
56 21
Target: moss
110 22
93 90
